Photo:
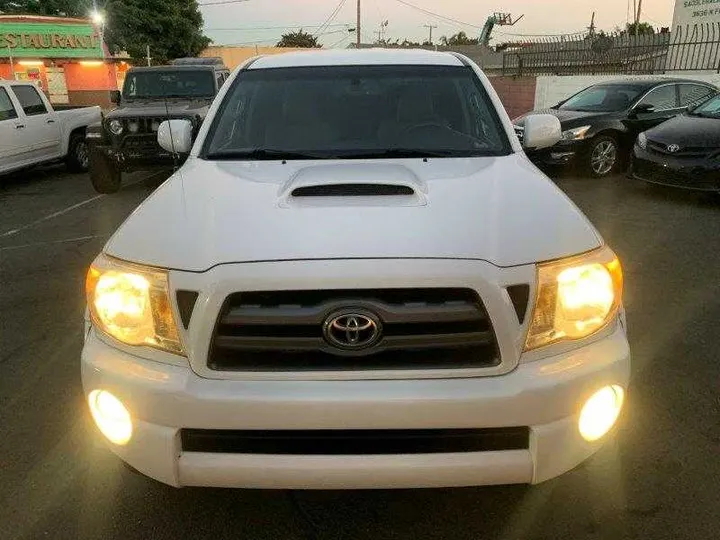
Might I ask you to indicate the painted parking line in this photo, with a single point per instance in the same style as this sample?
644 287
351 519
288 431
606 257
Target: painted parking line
64 211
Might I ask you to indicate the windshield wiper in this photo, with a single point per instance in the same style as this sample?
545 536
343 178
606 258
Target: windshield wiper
262 154
412 153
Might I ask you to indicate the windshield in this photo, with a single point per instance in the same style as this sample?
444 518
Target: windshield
159 84
710 108
603 98
356 112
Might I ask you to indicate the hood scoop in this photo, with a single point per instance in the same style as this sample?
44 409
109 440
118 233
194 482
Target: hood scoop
353 184
353 190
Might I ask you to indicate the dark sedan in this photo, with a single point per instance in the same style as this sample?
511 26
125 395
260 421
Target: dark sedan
683 152
600 124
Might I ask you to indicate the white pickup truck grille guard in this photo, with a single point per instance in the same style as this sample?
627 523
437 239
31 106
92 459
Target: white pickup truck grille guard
371 329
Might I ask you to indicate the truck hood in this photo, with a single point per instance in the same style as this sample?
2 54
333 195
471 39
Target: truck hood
497 209
155 107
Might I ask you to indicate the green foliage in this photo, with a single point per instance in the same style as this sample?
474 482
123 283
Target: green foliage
299 39
56 8
172 28
460 38
643 28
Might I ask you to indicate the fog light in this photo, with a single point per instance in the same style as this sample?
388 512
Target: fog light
111 416
600 412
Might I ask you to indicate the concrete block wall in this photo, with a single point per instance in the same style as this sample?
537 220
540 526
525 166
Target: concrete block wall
516 93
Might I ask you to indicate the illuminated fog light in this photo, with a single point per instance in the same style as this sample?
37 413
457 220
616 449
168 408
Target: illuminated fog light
600 412
111 416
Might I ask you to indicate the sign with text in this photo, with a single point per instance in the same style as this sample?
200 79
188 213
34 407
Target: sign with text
691 12
42 40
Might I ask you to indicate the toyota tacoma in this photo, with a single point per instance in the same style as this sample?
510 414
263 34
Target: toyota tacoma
356 280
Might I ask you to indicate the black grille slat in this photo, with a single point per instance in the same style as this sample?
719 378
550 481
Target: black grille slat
421 328
355 442
407 313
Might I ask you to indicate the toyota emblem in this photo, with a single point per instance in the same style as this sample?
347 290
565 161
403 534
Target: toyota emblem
352 330
672 148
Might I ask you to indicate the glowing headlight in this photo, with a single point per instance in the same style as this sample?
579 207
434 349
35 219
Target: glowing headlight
575 134
115 127
600 412
111 416
131 303
576 297
642 141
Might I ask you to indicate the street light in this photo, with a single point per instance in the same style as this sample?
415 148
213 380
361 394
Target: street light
97 17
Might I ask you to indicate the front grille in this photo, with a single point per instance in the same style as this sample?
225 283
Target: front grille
355 442
684 152
421 329
694 178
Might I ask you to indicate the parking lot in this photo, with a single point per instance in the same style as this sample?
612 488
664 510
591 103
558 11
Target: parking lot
656 479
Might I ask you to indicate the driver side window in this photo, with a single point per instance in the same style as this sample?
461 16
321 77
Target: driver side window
662 98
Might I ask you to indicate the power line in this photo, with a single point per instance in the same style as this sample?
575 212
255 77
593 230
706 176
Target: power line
252 28
221 2
331 18
438 16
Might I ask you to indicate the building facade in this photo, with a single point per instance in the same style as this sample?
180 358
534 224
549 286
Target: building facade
65 57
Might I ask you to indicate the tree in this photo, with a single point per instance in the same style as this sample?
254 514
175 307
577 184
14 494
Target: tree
643 29
460 38
55 8
300 40
172 28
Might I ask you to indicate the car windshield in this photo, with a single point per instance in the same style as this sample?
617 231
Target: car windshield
159 84
710 108
356 112
603 98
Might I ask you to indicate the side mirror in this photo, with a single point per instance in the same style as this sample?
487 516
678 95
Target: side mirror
541 131
176 136
115 97
643 108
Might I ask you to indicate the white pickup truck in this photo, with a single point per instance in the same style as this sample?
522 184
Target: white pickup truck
32 132
356 280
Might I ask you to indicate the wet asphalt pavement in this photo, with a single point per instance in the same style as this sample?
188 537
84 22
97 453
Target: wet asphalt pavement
656 479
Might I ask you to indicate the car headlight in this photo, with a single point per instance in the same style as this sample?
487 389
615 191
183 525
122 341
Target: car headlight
575 134
642 141
132 304
576 297
115 127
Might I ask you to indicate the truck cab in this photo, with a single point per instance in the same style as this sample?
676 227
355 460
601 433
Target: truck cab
125 140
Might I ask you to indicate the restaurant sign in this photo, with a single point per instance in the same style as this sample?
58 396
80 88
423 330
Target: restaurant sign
41 40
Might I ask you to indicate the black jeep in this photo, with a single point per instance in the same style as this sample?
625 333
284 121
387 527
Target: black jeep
126 140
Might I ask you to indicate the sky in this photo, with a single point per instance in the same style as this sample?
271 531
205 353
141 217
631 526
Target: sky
259 21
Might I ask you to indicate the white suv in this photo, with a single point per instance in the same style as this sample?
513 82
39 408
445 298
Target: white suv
357 280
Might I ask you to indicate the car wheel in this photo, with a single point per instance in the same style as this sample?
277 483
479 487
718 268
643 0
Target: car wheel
104 174
603 156
78 156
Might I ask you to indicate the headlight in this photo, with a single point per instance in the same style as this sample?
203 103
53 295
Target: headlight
576 297
131 303
575 134
115 127
642 141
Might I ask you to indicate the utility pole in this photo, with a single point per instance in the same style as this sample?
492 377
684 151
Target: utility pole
147 49
591 28
359 33
431 27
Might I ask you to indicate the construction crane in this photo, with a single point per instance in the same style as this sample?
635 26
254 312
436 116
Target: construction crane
499 19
